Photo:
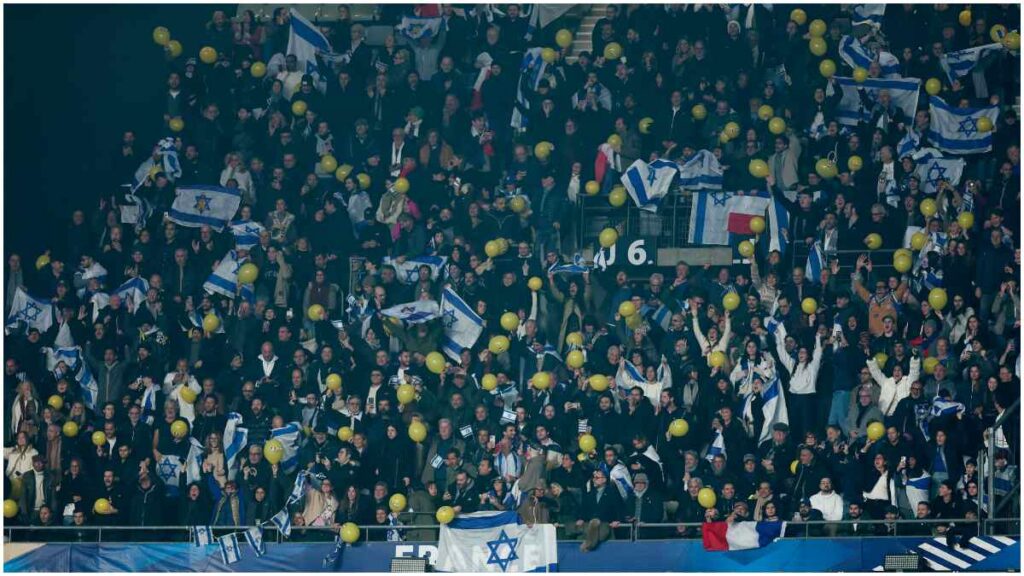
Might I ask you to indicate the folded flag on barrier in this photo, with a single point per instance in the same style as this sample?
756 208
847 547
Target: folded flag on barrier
496 542
723 536
647 183
283 521
229 551
254 536
202 536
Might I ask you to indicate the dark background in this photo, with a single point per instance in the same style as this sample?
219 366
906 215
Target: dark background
77 77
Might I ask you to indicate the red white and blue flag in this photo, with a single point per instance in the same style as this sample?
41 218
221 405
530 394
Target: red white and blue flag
723 536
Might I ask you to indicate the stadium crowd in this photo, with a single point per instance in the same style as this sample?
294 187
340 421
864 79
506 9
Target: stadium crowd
405 150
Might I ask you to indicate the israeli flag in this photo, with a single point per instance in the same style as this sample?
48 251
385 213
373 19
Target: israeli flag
247 233
197 315
236 439
305 41
778 220
298 490
416 27
660 315
229 551
224 279
169 470
462 326
254 536
709 218
149 404
99 301
903 94
774 408
577 266
290 436
717 447
869 14
134 290
197 205
283 521
78 369
94 271
531 70
416 312
167 163
408 272
194 461
647 183
496 542
919 489
34 312
856 54
702 172
201 535
933 170
815 263
961 62
955 130
908 144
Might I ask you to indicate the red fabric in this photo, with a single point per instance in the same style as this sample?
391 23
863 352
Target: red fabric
714 536
430 10
739 223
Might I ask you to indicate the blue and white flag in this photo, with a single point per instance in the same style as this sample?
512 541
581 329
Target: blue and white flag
298 488
709 219
415 312
496 542
77 369
462 326
408 272
856 54
647 183
774 409
940 407
34 312
903 94
224 279
702 172
290 436
870 14
283 521
661 315
166 162
919 489
254 536
778 220
229 551
531 70
197 205
577 266
236 439
169 470
961 62
247 233
133 290
306 41
955 130
194 461
717 447
931 170
416 27
201 535
196 319
815 263
149 403
908 144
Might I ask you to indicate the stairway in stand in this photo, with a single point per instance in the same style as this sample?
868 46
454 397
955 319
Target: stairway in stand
582 39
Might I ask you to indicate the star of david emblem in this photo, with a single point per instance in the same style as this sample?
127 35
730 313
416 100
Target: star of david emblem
506 544
720 198
936 173
30 312
412 275
166 469
968 127
202 203
251 229
449 319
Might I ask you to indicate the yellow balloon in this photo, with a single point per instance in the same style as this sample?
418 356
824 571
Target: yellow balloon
765 112
964 18
70 429
881 359
489 382
345 433
928 207
612 51
918 240
55 402
161 35
966 220
825 168
627 309
258 69
43 260
498 344
793 466
859 74
1012 41
534 283
902 263
679 428
349 533
10 508
598 382
211 323
176 124
342 172
542 150
633 322
587 443
574 339
574 359
645 125
398 503
492 249
406 393
99 438
716 359
328 163
548 55
854 163
827 68
102 506
299 107
798 16
592 187
608 237
174 48
541 380
617 197
933 86
315 312
732 129
937 298
746 248
563 38
757 224
333 382
517 204
776 125
984 124
273 451
248 273
809 305
707 498
187 394
929 364
818 46
417 431
445 514
873 241
817 27
615 141
904 251
402 186
875 431
758 168
207 55
731 301
179 429
509 321
435 362
699 112
997 33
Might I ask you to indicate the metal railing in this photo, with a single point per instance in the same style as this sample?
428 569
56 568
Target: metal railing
987 485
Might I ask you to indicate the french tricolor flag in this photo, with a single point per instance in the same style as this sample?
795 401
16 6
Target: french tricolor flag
722 536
